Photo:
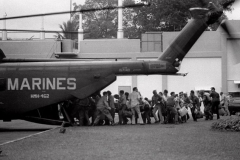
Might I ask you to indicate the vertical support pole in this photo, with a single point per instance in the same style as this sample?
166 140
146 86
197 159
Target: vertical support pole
224 59
42 34
134 81
120 19
164 82
4 32
80 30
70 10
66 115
134 78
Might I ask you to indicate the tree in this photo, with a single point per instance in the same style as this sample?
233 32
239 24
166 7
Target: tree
169 15
162 15
130 27
99 24
68 27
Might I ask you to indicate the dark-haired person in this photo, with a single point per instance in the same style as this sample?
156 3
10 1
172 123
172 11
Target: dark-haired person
215 101
145 111
122 106
207 105
171 107
134 103
103 109
165 96
195 104
156 100
127 96
111 104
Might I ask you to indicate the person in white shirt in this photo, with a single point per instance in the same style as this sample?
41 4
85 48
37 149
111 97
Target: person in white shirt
134 103
225 102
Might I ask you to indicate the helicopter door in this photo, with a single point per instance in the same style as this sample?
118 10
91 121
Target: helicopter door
3 84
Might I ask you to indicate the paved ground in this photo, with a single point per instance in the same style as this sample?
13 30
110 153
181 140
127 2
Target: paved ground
192 140
18 128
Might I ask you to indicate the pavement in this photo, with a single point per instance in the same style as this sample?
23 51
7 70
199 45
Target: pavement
19 129
187 141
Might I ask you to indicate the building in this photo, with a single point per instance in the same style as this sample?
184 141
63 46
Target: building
214 60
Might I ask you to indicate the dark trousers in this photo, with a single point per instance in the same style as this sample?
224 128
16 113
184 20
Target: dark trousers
208 111
193 113
215 107
100 113
146 116
172 111
122 117
83 116
112 112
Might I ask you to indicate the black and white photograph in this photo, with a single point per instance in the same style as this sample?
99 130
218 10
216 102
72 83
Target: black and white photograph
120 79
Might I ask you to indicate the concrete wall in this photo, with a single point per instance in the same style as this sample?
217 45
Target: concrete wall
146 84
121 81
208 45
202 73
233 65
30 49
108 46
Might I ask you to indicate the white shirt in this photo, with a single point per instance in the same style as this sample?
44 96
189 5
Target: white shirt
134 98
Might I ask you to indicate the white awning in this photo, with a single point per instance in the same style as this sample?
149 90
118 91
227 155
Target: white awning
236 82
205 88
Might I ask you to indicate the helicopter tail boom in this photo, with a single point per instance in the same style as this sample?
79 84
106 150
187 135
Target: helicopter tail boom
2 55
177 50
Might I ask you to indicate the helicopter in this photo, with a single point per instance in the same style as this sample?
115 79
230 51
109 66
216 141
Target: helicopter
31 89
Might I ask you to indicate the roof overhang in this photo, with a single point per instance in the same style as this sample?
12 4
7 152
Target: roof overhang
236 82
206 88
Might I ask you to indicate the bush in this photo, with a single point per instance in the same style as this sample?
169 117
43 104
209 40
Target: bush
230 124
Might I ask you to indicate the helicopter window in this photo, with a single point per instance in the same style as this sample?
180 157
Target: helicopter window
157 66
76 69
31 69
2 84
57 68
2 69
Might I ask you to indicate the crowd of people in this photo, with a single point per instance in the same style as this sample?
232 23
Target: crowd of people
134 109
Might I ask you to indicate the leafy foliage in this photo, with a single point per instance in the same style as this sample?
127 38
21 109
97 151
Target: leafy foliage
162 15
230 124
169 15
67 27
100 24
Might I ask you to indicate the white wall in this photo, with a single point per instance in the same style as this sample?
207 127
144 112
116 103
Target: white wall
202 73
30 49
146 85
233 64
121 81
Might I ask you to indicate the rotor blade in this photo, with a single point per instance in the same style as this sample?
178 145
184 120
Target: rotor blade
82 11
46 31
225 27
